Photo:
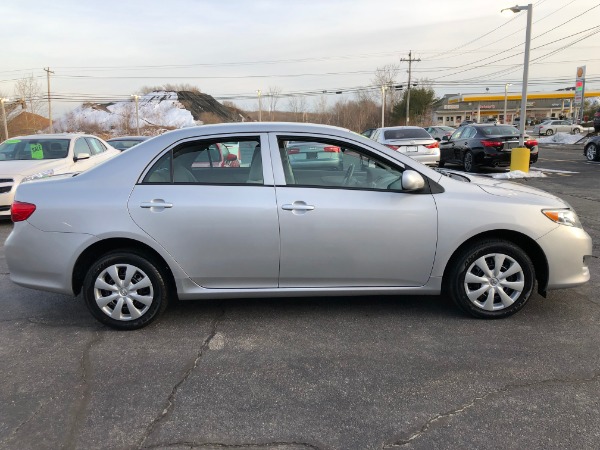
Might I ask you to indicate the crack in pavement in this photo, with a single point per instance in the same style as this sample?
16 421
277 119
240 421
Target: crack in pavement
256 446
449 414
86 375
171 398
29 419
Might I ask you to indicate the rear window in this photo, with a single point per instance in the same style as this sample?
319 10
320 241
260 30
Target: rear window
406 133
499 131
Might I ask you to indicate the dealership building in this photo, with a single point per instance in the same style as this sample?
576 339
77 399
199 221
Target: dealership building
452 109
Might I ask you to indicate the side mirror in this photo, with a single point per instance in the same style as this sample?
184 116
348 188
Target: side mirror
412 181
445 138
231 157
81 156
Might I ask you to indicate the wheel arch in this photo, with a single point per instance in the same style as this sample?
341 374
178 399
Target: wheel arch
527 244
97 249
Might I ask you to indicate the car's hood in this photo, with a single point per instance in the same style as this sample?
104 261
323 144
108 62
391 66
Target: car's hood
505 188
28 167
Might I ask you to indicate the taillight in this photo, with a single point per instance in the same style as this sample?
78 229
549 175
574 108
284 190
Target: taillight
20 211
436 144
393 147
491 143
331 149
531 143
293 151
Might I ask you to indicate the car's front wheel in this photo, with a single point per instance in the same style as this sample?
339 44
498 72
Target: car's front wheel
491 279
549 132
125 290
576 131
591 152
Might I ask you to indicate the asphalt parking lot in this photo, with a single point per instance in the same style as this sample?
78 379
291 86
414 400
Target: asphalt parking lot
314 373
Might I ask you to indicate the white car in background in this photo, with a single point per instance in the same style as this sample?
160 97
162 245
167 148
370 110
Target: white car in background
550 127
415 142
26 158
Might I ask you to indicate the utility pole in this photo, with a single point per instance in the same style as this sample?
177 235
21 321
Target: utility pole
2 100
383 88
410 61
259 106
137 113
48 72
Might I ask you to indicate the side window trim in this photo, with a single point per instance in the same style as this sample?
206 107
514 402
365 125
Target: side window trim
278 164
265 153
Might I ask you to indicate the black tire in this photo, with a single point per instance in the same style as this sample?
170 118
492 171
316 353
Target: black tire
549 132
592 152
469 162
142 269
441 163
576 131
490 304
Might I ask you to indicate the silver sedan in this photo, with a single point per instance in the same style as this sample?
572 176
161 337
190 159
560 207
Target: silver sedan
152 225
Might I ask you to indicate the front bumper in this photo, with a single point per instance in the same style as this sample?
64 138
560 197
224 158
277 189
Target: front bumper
567 250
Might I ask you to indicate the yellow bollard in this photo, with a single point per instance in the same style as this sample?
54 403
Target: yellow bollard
519 159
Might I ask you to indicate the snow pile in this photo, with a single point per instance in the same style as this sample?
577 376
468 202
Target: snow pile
560 138
158 108
513 174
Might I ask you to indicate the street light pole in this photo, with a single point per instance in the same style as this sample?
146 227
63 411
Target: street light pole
506 99
523 115
2 100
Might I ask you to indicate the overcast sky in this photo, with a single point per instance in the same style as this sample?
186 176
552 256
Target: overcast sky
110 49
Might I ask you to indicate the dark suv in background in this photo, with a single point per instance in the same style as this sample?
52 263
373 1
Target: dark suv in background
597 121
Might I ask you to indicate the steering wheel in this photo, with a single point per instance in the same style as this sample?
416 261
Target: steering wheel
349 173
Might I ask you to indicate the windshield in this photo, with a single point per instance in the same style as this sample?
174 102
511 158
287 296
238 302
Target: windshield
406 133
33 149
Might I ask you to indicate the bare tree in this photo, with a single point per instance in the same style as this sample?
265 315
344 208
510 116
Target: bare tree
273 93
303 107
30 91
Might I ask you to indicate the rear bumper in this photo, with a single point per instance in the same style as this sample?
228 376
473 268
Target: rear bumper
502 159
43 260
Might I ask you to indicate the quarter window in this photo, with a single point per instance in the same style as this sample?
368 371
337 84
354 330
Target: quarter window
96 146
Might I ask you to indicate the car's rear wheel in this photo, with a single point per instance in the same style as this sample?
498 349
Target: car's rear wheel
125 290
491 279
591 152
576 131
549 132
441 163
469 162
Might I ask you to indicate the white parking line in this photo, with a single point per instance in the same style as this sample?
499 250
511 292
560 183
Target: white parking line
551 170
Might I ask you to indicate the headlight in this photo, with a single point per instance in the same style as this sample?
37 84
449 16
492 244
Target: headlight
35 176
563 217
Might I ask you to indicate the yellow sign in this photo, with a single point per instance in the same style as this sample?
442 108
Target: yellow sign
37 152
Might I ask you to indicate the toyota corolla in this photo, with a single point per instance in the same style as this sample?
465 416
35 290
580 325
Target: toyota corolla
153 225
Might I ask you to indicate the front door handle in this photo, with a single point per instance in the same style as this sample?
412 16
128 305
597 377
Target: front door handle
156 204
298 207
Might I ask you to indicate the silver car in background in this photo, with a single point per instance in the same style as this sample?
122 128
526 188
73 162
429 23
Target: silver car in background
438 132
151 225
412 141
